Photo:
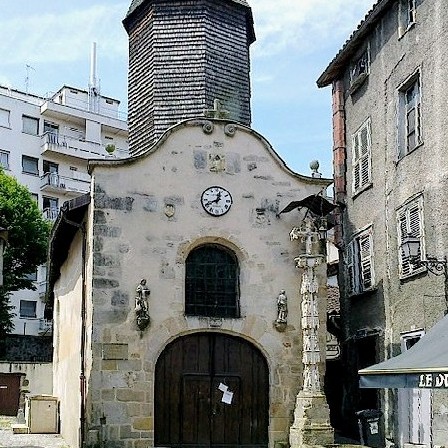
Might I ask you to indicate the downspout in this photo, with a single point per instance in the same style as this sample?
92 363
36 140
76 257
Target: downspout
339 156
82 376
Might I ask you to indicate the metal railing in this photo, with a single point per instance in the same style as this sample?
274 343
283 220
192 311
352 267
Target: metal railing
50 213
56 183
45 326
78 147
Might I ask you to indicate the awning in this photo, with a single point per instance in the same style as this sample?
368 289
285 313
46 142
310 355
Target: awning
424 365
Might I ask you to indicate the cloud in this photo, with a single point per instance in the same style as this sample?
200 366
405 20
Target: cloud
64 37
304 26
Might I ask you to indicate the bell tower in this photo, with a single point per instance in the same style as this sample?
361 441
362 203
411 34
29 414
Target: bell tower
184 54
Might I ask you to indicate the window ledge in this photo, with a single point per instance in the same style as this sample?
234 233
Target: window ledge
408 28
414 274
357 83
362 189
409 152
364 293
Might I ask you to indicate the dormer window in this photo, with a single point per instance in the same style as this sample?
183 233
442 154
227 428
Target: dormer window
359 70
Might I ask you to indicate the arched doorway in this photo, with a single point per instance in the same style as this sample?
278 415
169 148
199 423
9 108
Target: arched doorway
211 390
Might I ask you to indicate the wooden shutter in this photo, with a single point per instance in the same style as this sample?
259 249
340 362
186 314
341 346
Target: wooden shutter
366 260
410 223
349 261
362 157
356 167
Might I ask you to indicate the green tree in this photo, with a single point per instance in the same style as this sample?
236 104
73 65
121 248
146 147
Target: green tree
28 233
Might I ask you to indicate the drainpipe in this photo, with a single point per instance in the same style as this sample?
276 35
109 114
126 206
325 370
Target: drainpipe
82 376
339 155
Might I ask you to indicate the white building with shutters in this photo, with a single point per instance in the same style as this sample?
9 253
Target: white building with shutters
45 143
389 84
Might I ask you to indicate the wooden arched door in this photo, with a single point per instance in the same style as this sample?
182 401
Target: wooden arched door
211 390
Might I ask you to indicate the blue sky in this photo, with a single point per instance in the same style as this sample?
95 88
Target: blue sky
296 39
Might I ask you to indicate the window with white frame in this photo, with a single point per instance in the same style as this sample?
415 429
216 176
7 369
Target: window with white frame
410 11
358 262
406 16
30 125
4 160
409 116
28 308
410 225
4 118
362 157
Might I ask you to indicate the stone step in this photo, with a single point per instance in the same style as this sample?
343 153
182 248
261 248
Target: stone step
19 428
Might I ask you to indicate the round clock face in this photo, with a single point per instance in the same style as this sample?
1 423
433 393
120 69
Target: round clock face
216 201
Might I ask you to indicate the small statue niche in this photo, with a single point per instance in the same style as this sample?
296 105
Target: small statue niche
282 312
142 305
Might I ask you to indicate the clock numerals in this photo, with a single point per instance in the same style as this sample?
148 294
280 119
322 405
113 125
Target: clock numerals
216 201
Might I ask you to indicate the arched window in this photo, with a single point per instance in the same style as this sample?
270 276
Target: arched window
212 282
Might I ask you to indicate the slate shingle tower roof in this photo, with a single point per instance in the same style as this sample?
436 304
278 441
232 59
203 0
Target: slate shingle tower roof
184 54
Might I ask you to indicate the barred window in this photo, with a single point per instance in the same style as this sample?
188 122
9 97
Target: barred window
212 282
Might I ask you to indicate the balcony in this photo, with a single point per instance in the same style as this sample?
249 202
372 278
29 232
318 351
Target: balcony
45 327
57 144
55 184
50 214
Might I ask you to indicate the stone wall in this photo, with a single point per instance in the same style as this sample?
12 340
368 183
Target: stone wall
147 217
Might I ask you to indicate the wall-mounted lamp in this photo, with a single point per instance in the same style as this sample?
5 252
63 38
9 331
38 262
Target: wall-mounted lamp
437 266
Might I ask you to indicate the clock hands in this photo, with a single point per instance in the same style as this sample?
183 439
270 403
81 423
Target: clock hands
217 199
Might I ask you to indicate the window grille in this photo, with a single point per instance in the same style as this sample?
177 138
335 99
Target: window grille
212 282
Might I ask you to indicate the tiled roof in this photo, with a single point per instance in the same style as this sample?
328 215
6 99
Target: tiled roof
136 3
352 43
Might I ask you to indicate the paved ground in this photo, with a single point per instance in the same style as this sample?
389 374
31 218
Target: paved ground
10 440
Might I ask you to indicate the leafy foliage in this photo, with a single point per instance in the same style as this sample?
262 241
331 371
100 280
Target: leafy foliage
27 244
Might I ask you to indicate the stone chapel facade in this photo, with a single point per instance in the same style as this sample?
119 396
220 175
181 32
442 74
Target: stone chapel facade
177 300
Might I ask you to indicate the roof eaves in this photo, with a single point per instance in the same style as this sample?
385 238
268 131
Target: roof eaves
62 235
338 63
138 4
